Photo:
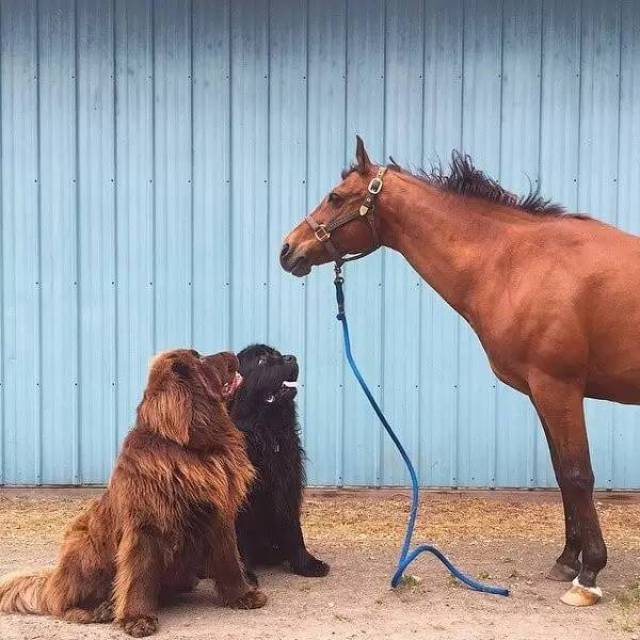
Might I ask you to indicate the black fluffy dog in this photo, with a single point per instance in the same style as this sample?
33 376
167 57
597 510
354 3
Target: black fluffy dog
268 525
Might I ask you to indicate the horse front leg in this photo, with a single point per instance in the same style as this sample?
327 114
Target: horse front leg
560 405
567 566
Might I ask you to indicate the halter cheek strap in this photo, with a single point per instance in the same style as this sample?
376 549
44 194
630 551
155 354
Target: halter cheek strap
323 232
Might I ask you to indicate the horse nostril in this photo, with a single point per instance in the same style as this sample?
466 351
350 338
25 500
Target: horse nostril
285 250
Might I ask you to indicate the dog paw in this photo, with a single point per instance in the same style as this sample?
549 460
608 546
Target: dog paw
79 616
103 612
252 599
311 568
141 626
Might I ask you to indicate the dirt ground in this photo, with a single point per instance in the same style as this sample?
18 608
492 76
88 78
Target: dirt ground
508 538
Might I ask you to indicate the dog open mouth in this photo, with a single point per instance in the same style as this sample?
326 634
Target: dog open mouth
289 387
287 391
229 389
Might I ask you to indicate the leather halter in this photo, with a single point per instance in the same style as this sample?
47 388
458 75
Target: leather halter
323 232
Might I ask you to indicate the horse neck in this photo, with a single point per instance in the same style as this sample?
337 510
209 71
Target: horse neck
451 241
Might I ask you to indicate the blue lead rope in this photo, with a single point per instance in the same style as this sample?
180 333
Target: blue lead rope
406 556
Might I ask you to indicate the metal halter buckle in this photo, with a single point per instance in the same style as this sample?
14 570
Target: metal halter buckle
375 186
321 233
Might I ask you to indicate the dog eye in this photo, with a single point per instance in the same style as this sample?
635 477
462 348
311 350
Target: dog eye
262 361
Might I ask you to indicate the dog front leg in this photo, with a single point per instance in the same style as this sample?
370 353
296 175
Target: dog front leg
295 551
246 557
225 567
137 582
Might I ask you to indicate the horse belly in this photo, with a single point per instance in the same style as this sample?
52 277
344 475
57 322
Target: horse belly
613 372
618 387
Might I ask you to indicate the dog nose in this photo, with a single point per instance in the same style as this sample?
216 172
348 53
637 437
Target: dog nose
289 359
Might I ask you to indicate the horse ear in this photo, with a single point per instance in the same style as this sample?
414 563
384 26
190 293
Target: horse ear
362 159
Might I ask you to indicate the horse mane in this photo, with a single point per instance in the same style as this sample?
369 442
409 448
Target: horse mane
463 178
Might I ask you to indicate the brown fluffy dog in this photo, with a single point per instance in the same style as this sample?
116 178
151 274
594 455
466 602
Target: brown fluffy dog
168 514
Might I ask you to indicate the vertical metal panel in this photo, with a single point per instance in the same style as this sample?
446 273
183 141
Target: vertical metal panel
96 229
287 168
324 410
172 173
154 152
211 132
59 163
21 307
134 205
249 170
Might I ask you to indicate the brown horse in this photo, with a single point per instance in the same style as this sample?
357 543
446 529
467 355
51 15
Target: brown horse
552 296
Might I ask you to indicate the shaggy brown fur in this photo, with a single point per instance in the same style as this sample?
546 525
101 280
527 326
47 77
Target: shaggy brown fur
168 514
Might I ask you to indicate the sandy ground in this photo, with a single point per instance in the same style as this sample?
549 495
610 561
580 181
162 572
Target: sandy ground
505 538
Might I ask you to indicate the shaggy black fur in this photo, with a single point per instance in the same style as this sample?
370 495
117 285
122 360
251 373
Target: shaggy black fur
268 525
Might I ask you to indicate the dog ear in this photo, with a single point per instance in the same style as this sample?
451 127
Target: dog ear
181 369
213 373
212 384
168 410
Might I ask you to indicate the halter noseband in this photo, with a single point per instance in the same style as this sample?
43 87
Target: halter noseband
323 232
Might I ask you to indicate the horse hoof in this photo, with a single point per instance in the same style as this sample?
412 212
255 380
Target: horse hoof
562 573
579 596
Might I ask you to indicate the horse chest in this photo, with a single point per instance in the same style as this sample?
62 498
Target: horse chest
505 354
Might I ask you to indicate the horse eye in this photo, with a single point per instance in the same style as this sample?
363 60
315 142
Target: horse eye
195 353
333 198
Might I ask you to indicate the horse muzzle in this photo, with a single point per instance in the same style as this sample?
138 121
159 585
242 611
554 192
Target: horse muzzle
292 262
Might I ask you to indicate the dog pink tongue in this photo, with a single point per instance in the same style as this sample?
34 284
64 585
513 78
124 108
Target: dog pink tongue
230 388
237 381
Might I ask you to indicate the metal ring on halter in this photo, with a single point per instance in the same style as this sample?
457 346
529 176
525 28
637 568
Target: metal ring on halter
375 186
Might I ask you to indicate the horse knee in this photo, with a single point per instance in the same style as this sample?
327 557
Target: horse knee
576 480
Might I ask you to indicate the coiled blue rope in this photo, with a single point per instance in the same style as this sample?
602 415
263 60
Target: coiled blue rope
406 556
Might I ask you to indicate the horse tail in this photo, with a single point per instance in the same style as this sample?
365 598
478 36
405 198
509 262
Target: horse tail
21 591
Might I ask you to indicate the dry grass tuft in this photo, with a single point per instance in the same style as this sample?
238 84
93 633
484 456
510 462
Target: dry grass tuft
473 519
349 518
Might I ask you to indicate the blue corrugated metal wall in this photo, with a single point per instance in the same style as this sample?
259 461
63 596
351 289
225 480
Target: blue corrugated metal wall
153 154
